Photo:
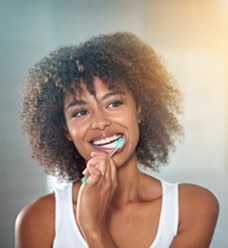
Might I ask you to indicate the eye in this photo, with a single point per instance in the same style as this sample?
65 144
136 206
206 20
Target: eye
115 104
79 113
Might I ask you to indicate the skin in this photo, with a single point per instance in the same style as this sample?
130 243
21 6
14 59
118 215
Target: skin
116 187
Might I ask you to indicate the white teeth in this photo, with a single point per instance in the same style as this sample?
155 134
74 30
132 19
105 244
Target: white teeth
110 146
106 140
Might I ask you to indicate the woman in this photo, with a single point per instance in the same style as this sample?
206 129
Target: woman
78 102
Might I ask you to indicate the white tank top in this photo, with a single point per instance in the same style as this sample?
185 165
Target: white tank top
67 234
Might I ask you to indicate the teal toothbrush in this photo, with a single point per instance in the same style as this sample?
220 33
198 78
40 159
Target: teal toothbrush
118 144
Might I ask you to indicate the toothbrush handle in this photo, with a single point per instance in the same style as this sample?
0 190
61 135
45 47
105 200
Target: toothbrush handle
84 179
112 152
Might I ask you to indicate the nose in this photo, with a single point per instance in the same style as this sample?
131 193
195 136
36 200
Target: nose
100 121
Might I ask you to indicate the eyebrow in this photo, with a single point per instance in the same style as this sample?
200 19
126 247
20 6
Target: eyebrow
112 93
75 102
81 102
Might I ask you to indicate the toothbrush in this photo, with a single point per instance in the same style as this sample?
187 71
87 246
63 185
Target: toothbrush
118 144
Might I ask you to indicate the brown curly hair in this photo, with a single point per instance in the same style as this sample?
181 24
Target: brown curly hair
116 59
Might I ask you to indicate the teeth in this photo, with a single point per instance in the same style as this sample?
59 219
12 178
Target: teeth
106 140
110 146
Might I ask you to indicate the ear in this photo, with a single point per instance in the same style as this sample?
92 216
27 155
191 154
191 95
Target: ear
66 132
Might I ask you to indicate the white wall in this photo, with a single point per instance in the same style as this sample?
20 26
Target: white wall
192 38
202 157
190 35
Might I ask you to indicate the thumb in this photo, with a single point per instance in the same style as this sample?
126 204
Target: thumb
97 153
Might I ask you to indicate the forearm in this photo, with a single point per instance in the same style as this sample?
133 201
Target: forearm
100 239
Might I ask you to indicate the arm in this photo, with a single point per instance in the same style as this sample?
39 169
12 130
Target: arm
94 201
101 239
35 224
197 218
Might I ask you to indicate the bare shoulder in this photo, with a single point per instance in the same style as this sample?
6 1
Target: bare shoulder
35 224
198 214
198 198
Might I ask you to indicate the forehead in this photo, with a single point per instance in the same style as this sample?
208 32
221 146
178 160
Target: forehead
97 90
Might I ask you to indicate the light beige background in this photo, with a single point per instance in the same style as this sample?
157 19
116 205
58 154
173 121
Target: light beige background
192 38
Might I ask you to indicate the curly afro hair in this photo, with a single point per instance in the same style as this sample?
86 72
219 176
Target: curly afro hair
116 59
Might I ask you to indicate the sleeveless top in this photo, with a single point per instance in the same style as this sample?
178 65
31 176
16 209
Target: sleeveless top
67 234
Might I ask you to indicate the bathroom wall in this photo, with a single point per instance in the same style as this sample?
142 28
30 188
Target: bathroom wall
190 36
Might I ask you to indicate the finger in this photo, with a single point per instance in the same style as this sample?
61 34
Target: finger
99 163
91 163
108 169
97 153
113 171
94 176
85 172
101 168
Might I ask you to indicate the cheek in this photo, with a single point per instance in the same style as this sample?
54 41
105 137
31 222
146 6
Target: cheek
131 123
136 134
82 150
73 134
133 120
77 137
76 129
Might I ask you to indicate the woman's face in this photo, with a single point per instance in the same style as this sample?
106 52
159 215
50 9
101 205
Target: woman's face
95 122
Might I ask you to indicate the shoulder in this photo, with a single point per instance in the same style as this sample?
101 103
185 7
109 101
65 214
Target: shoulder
198 198
199 209
35 224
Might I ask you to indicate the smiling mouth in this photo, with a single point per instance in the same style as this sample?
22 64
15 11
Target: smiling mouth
107 143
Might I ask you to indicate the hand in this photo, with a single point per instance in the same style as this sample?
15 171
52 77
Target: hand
94 198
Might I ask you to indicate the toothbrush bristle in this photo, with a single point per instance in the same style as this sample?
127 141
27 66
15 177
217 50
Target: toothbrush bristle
121 142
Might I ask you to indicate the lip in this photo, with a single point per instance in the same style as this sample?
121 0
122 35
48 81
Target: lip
109 145
107 151
103 136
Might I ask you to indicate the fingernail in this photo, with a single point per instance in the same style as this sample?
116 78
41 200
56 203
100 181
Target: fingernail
93 154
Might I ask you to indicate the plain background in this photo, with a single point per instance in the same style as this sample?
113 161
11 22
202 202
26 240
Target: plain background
191 36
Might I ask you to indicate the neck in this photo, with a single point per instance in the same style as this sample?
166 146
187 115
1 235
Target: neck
128 178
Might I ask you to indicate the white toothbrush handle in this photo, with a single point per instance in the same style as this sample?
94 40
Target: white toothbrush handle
112 152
